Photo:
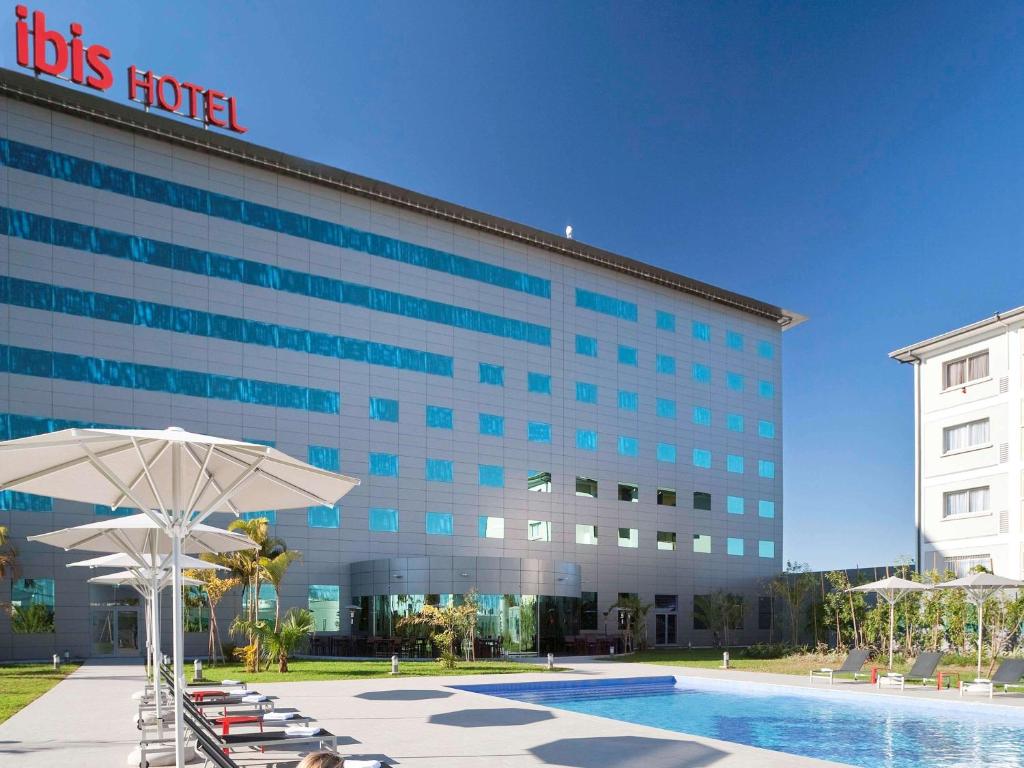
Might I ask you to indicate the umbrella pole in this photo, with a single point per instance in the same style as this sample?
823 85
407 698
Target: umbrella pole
981 628
176 607
157 656
892 630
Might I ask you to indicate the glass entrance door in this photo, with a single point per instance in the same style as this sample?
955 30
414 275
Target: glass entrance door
664 629
114 621
127 631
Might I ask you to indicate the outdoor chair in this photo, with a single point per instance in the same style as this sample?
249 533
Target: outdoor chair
1008 676
854 661
923 671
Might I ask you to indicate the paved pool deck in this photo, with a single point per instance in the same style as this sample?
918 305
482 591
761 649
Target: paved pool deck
86 721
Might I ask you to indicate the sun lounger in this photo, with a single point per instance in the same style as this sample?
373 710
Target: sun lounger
1008 676
922 671
854 661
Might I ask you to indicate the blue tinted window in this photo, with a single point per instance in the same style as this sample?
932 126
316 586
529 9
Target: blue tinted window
765 388
585 345
627 355
701 373
734 340
766 548
384 519
439 417
323 517
607 305
667 453
327 458
766 429
492 475
765 508
324 457
492 374
734 463
99 509
766 468
538 383
440 470
492 425
701 331
440 524
628 401
765 349
538 432
701 416
382 409
701 458
734 381
734 505
734 422
665 364
665 321
628 446
734 547
586 393
384 464
666 409
270 515
586 440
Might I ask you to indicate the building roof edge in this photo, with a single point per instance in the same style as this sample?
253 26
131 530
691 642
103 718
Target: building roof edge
913 352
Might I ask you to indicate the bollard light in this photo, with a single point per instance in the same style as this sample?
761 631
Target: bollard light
197 670
551 661
394 664
67 656
725 660
611 650
56 661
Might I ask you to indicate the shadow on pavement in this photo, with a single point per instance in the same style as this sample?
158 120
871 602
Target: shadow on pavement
605 751
490 718
402 695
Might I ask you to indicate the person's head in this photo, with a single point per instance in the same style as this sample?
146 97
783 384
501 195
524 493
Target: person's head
322 760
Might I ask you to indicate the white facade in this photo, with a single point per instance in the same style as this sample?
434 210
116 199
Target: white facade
969 429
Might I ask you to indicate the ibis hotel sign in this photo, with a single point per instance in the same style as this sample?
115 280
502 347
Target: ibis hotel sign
67 56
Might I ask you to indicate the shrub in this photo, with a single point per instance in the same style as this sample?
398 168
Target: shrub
768 651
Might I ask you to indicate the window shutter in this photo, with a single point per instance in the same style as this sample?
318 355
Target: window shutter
1004 521
1004 453
1004 385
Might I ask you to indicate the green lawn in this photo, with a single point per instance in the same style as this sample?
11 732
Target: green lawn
23 683
361 670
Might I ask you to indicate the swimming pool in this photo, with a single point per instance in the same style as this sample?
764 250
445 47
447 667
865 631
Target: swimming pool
842 726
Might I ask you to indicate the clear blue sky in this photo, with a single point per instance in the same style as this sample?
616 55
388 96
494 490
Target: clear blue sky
858 162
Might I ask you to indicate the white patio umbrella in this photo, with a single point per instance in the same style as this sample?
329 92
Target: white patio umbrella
176 478
979 587
891 589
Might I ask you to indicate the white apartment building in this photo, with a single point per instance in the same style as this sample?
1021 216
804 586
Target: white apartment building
968 433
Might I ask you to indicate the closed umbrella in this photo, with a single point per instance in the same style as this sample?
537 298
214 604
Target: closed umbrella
979 587
176 478
891 589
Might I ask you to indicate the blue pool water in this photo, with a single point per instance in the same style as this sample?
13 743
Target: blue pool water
843 726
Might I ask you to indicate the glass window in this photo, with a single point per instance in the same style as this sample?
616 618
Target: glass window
609 305
966 502
586 534
734 547
440 471
383 519
734 463
324 457
270 515
701 458
766 548
667 453
765 508
492 475
734 505
32 606
629 538
666 409
629 492
765 349
628 401
586 392
586 440
734 422
384 464
538 383
628 446
586 486
537 481
666 364
627 355
701 416
324 603
440 524
702 543
702 500
765 388
586 345
328 458
701 331
665 321
492 425
966 370
666 603
734 381
963 436
492 374
266 604
766 429
667 541
666 497
734 340
382 409
588 610
323 517
538 432
765 612
701 373
439 418
766 468
491 527
538 530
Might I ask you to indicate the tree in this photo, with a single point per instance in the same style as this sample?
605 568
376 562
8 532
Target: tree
279 643
636 618
274 570
34 618
447 626
793 586
214 588
8 555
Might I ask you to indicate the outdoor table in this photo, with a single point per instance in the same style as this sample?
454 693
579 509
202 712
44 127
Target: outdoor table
944 676
227 720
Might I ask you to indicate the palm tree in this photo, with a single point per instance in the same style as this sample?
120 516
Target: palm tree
280 643
274 571
8 555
